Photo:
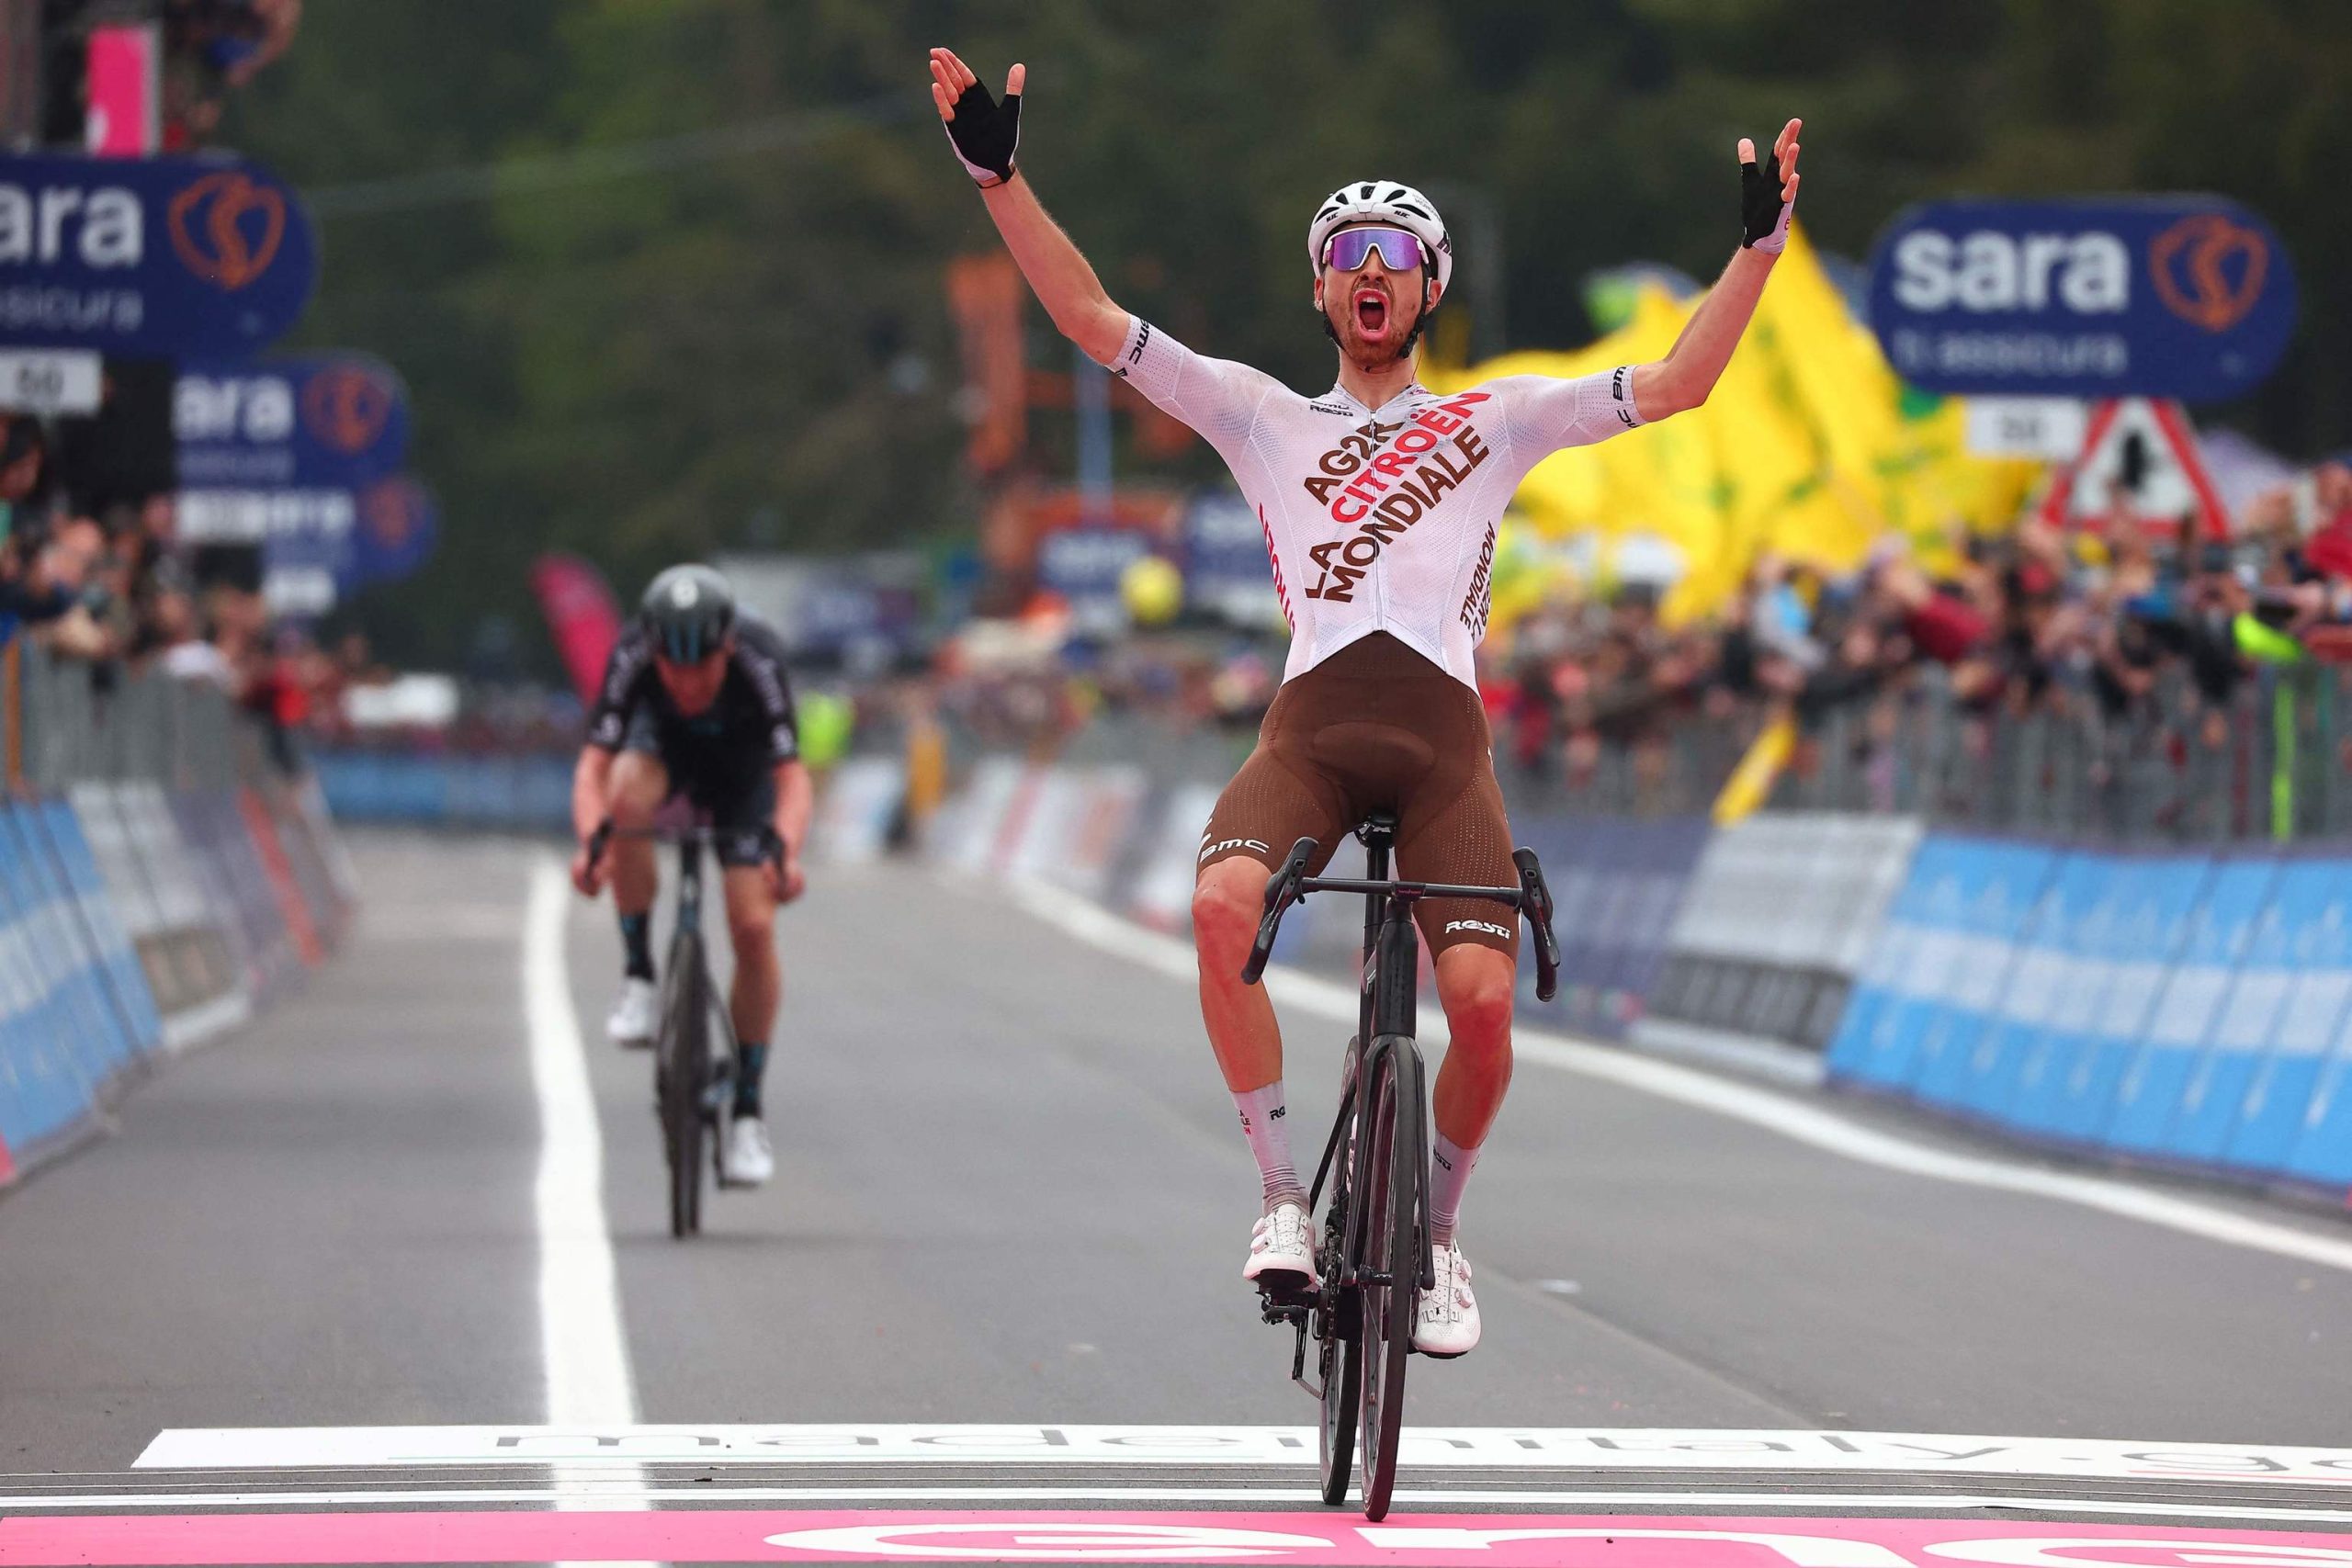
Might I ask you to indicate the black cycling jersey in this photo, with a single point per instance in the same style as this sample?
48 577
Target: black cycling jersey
751 718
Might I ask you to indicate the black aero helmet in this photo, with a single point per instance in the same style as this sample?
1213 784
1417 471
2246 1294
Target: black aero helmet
688 610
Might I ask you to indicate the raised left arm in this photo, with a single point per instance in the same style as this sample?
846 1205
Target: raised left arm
1693 366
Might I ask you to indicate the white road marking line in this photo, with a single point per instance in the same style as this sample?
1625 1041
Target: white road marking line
625 1452
1791 1118
1645 1501
581 1348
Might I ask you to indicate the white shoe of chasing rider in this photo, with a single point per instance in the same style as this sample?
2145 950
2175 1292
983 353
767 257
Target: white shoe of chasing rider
749 1160
1447 1324
637 1014
1283 1241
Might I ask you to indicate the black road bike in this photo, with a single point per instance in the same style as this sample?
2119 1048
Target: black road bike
694 1050
1374 1258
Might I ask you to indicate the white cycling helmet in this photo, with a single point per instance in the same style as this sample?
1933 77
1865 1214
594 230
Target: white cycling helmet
1382 201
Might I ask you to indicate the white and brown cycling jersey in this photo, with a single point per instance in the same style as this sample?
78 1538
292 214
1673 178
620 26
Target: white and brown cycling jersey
1377 519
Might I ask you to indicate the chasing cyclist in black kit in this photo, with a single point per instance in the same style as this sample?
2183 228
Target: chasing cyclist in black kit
694 705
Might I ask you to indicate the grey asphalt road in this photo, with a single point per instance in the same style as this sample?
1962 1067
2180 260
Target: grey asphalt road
1011 1190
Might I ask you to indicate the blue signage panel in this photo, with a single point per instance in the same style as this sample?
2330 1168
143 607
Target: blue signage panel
2187 297
320 421
151 256
397 524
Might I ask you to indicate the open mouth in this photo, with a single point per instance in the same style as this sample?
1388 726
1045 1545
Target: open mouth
1371 313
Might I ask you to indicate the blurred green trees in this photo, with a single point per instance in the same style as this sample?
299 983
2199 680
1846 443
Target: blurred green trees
664 275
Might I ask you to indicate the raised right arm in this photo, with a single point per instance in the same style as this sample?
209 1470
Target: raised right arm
1058 274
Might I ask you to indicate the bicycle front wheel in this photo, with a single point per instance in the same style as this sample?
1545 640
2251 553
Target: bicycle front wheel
684 1066
1338 1321
1392 1266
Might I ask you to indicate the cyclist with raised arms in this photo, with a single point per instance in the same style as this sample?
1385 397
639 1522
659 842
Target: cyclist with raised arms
1379 501
695 704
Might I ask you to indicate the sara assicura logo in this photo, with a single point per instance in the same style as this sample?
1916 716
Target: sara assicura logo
226 228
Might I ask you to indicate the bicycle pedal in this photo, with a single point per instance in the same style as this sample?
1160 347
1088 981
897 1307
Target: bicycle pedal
1284 1292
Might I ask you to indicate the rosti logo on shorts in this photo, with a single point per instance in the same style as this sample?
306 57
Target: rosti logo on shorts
2209 271
1486 926
345 407
1223 844
226 228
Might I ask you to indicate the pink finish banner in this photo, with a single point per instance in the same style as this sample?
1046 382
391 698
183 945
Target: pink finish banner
1499 1540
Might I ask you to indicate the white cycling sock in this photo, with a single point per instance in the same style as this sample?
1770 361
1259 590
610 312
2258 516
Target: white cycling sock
1261 1123
1450 1168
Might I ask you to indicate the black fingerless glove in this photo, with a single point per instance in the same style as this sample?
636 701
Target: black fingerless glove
1763 216
984 134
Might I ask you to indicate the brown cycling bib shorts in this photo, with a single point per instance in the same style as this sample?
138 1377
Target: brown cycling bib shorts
1377 727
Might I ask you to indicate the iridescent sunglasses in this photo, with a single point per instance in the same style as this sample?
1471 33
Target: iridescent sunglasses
1400 250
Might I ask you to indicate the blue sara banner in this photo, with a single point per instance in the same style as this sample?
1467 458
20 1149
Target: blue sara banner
154 257
398 522
324 420
2187 297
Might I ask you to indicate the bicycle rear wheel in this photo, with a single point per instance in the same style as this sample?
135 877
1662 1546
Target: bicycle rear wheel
683 1066
1392 1265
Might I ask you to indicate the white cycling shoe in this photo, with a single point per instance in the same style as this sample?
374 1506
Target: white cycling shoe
749 1160
1282 1242
637 1013
1447 1322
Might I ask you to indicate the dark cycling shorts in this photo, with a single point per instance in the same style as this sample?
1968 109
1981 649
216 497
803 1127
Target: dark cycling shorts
1378 726
735 787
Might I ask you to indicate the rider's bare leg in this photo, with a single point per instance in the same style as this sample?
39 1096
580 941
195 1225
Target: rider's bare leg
1477 985
758 991
637 786
1226 904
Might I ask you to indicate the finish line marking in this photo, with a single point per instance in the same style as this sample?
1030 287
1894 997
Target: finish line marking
577 1498
1508 1540
619 1450
1791 1117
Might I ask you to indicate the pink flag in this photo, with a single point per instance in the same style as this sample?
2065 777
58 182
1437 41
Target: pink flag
582 617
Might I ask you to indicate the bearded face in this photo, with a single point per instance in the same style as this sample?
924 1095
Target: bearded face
1371 311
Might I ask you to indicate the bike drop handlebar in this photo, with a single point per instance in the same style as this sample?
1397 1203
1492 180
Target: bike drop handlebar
1290 883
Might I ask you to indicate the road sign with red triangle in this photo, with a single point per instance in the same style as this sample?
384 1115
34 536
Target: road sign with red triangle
2140 461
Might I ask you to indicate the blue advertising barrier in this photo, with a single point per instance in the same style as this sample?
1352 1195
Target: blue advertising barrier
2321 1152
2312 1022
2187 297
2093 888
102 1047
2214 1097
2155 898
150 257
1972 912
2002 921
2189 1008
2045 970
126 982
528 793
1876 1039
1662 855
1617 884
46 1087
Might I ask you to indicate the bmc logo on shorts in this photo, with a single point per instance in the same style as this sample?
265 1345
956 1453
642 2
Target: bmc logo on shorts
1487 926
1223 844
